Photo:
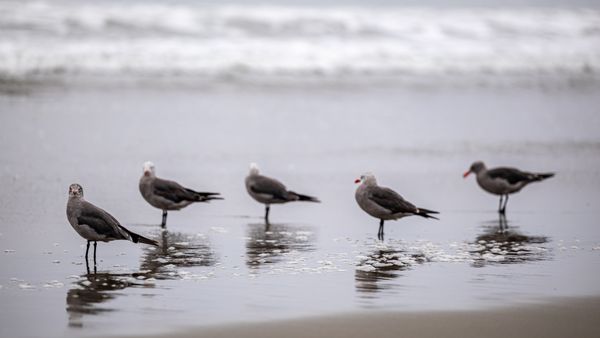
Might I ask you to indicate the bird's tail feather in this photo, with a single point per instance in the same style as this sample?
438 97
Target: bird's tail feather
202 196
305 197
210 198
206 194
542 176
135 238
426 213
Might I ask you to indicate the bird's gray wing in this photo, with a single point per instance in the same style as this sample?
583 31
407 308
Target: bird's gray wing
511 175
101 221
268 186
390 200
172 191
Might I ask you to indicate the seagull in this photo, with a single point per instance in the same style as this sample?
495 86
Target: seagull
503 181
169 195
95 224
269 191
385 203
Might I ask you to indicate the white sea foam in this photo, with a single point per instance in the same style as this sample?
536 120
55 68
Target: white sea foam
54 284
57 38
26 286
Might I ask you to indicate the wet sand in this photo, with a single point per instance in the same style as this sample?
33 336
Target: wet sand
561 318
221 265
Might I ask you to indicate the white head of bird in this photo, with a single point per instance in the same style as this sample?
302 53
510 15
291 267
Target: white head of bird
367 179
149 169
254 169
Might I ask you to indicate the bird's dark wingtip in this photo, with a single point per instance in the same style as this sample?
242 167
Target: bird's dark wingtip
214 198
141 239
543 176
305 198
427 216
426 213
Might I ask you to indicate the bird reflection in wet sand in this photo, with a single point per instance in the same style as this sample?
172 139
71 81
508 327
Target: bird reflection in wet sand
269 243
90 291
503 244
177 250
380 266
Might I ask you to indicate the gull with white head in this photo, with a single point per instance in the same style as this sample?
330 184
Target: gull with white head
269 191
169 195
384 203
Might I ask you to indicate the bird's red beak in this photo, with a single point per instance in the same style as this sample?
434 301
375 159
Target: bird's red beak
466 173
356 181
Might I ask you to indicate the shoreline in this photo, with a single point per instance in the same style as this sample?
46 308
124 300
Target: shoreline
28 85
570 317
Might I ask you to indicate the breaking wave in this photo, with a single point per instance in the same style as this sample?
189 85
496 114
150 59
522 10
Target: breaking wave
55 39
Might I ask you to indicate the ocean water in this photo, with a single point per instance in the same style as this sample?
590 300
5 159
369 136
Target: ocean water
296 41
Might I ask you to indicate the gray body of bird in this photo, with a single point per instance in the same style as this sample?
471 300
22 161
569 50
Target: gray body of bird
95 224
503 180
268 190
169 195
384 203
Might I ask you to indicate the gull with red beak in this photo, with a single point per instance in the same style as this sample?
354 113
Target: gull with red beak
384 203
169 195
503 181
269 191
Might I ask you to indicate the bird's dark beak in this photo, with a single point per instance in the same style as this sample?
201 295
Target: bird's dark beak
356 181
466 173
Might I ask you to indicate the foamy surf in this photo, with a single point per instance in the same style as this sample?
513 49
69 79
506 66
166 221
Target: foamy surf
59 39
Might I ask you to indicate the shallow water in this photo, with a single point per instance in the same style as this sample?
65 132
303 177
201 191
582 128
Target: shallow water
220 263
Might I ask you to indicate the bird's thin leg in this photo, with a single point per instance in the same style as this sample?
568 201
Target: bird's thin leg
87 264
87 250
380 232
267 208
500 204
95 245
164 219
505 202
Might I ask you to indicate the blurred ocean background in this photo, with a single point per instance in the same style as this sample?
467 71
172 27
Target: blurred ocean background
413 42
